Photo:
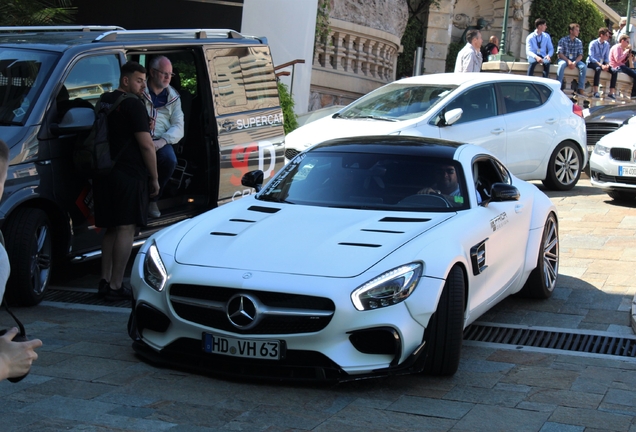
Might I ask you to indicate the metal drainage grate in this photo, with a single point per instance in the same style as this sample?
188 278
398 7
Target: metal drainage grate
80 296
623 346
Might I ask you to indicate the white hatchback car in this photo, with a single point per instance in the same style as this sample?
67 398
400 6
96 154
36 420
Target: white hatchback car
527 122
613 163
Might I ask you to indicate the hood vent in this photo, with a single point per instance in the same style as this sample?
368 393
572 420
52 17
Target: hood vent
242 220
361 245
399 219
226 234
382 231
264 209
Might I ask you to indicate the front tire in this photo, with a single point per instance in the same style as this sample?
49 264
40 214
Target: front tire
564 168
542 280
445 330
621 195
29 246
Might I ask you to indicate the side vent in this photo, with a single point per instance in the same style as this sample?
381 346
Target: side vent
478 257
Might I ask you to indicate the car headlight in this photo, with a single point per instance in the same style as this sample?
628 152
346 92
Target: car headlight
155 273
387 289
601 150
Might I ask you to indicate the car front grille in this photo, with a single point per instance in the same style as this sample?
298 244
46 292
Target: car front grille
621 154
615 179
207 306
596 131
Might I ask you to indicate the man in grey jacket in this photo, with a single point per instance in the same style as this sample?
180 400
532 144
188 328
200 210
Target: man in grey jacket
167 125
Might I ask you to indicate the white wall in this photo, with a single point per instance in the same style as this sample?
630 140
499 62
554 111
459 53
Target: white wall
289 26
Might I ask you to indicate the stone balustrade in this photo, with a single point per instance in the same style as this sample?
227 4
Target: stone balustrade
351 62
623 83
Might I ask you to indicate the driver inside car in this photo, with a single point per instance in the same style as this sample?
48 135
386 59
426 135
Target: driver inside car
446 184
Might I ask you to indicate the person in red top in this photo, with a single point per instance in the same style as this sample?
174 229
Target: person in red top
618 56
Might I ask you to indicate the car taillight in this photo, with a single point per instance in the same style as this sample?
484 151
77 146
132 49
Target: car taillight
576 109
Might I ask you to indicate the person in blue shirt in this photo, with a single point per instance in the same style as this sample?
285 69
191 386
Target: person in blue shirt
598 58
539 48
570 51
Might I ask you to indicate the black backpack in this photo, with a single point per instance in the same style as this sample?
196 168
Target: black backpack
91 155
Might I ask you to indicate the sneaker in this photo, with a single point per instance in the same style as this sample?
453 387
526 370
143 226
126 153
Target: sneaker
102 288
123 293
611 96
597 95
153 210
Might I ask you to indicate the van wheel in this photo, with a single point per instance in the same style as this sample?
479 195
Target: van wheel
564 168
445 330
29 246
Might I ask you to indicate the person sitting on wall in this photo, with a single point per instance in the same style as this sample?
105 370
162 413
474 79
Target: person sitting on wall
539 48
618 57
570 51
598 59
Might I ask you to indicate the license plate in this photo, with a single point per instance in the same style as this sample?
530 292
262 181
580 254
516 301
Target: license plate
627 171
249 348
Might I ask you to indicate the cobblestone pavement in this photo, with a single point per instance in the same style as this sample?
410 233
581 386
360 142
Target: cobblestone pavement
88 379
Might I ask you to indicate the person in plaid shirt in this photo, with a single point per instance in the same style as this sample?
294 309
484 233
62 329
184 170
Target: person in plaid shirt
570 51
598 59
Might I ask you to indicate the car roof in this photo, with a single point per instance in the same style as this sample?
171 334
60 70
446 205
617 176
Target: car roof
473 78
62 37
389 144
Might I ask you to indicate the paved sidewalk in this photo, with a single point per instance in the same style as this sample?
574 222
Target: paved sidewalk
88 379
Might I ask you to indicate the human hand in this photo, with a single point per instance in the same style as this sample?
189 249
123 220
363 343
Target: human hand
547 58
153 187
159 143
571 65
427 190
538 59
16 357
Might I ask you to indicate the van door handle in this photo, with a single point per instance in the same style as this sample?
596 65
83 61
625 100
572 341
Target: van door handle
518 208
551 120
497 131
228 125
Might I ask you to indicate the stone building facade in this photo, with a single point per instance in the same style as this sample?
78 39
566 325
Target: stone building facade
360 53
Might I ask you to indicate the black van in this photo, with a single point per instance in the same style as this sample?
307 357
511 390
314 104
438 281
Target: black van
49 75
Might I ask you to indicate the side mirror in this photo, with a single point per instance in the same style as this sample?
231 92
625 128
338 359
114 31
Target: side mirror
253 179
75 120
500 192
452 116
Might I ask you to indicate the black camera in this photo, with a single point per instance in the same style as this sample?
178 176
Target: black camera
20 337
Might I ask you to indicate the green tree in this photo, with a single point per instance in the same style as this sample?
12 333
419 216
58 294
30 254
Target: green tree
564 12
36 12
287 105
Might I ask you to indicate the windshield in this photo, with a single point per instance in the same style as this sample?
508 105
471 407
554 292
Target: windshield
370 181
397 102
22 76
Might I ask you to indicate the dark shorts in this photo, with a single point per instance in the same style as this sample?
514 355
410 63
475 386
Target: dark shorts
120 199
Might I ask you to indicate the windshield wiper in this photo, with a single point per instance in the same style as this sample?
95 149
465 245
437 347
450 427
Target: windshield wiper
376 118
9 123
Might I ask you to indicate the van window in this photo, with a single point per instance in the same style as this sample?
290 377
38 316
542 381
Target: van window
22 76
92 76
242 77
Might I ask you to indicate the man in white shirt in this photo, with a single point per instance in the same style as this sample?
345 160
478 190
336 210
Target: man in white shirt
622 29
469 59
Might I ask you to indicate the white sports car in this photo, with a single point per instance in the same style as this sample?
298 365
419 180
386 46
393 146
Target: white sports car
364 256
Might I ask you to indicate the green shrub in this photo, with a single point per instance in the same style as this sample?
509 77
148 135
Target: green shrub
453 49
287 104
560 14
411 40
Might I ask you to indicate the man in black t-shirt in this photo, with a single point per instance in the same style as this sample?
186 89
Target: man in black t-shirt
121 198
